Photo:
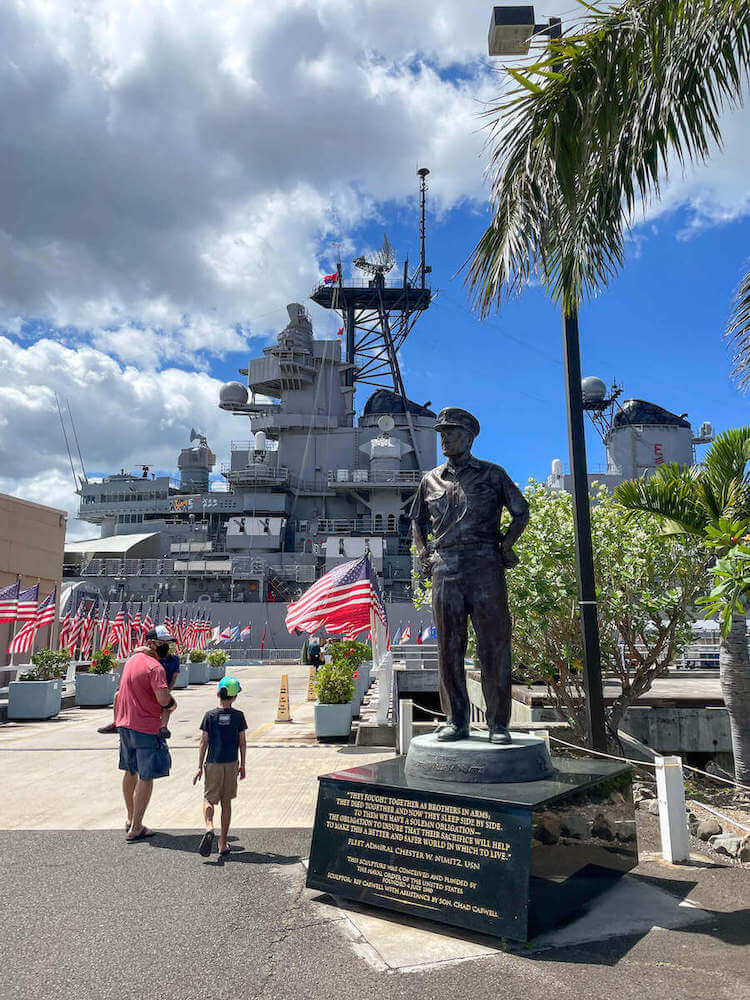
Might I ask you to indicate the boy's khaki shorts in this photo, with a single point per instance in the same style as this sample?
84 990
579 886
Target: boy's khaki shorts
221 782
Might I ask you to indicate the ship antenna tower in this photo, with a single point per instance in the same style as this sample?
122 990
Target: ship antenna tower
378 312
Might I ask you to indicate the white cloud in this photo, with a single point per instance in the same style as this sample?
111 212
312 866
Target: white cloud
173 174
123 416
169 166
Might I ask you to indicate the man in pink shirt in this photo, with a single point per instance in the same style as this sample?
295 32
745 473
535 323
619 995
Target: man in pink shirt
142 695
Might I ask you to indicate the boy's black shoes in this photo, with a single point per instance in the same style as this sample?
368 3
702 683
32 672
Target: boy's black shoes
207 842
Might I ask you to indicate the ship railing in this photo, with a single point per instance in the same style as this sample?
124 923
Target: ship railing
250 445
394 279
349 525
363 477
255 475
247 565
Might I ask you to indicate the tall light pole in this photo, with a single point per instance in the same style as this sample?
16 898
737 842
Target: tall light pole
511 30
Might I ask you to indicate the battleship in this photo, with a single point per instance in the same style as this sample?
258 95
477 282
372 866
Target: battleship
308 484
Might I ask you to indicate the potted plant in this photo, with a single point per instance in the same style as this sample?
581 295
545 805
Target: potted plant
183 677
217 659
37 692
334 689
97 687
199 668
352 656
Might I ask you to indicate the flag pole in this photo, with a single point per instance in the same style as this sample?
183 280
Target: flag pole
33 634
54 629
14 627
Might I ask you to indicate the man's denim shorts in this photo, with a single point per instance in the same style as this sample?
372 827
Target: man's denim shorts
144 754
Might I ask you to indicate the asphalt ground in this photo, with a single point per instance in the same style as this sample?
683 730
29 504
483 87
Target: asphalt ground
84 915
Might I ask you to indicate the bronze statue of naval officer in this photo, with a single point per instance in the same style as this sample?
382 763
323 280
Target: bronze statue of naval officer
460 504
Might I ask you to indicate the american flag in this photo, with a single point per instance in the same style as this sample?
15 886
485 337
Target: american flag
62 640
137 626
87 631
9 602
105 626
147 624
44 615
27 602
340 601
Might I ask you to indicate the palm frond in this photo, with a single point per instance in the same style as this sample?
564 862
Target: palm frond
575 155
674 498
724 473
738 333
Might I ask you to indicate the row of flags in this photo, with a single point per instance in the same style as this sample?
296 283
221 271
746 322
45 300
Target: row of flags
404 635
122 626
23 606
233 633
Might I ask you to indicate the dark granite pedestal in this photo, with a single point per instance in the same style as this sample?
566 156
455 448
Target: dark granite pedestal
511 860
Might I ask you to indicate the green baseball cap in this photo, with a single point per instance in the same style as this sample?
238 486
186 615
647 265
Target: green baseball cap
229 687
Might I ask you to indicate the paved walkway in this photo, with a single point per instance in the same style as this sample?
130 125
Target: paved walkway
86 917
61 774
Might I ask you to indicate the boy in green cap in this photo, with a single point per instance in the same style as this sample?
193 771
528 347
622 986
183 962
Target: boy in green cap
223 738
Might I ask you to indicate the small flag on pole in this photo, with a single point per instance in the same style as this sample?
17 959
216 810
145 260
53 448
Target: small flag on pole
9 602
329 279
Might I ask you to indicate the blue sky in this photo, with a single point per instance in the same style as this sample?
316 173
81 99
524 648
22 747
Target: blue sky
174 175
657 330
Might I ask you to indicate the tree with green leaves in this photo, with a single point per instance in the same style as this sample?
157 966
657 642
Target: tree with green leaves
711 503
589 135
647 585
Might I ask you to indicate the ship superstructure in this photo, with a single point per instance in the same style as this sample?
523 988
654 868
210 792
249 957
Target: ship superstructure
307 488
638 436
309 484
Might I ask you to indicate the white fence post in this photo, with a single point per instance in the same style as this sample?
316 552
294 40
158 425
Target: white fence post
405 724
385 679
670 790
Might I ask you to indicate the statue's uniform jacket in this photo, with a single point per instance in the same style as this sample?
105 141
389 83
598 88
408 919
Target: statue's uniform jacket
460 505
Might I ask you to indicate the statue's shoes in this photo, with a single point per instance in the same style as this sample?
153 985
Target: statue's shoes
450 733
499 734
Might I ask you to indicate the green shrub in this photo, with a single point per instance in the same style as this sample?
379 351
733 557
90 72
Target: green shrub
348 653
218 657
197 655
334 684
103 662
49 664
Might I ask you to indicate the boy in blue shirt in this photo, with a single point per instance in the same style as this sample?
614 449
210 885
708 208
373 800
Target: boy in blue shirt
223 740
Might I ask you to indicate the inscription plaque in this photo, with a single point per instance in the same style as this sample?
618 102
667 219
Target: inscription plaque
490 858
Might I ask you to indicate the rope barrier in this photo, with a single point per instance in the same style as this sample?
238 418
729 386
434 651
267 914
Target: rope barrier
609 756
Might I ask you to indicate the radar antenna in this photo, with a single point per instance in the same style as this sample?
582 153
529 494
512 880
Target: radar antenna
381 262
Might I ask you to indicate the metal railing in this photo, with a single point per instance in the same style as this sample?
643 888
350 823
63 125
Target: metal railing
407 478
255 475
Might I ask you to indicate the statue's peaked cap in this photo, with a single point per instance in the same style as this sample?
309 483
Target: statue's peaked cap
454 416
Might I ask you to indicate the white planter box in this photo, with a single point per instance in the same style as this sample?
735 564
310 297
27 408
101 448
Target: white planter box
183 677
332 721
34 699
199 673
95 690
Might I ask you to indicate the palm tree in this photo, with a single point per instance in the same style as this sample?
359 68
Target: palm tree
589 136
703 502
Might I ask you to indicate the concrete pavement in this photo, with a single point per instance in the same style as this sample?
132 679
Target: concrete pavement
61 774
85 915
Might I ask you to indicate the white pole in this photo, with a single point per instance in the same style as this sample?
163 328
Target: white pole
670 790
405 724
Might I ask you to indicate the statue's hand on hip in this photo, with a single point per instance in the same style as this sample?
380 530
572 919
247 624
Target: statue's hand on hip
425 565
508 557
